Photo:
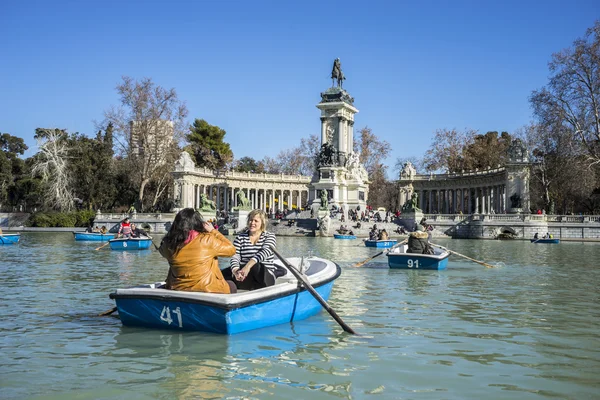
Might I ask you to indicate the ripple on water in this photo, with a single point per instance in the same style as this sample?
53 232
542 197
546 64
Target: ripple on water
526 330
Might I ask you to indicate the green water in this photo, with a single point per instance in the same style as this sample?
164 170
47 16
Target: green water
525 330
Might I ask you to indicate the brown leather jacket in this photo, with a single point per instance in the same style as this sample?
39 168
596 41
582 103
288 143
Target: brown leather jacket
195 267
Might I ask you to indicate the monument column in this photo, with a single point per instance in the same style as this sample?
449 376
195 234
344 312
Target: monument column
339 171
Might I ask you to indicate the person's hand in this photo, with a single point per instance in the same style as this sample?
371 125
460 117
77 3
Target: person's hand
242 273
238 275
208 227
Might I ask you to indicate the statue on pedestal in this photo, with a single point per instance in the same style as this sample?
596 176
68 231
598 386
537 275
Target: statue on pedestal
242 201
324 203
206 204
326 154
336 73
408 171
411 204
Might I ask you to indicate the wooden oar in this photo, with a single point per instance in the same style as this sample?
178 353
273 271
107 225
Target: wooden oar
360 264
104 245
462 255
312 291
112 310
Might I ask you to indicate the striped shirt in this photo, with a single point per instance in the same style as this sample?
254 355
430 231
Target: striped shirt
261 251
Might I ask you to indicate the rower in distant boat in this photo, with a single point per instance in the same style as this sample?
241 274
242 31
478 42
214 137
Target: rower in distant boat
124 228
418 242
374 233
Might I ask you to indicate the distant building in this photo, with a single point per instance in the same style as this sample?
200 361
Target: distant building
151 137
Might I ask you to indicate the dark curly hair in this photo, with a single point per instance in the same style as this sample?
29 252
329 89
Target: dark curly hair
185 221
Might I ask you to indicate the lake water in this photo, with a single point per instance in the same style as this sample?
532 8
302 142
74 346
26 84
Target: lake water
528 329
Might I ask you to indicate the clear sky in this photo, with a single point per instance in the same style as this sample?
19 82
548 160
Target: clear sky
257 68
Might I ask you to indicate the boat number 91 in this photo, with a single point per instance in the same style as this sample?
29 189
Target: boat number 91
413 264
165 315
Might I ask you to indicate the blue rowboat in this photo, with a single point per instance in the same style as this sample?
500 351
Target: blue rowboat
93 236
10 238
130 243
152 306
398 258
382 244
338 236
555 241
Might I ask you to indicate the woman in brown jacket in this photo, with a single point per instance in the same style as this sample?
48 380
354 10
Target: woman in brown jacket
192 246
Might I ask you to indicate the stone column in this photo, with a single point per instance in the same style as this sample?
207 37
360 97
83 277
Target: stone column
323 130
350 146
341 137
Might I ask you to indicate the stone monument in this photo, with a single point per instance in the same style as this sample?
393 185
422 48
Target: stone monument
241 210
411 214
339 172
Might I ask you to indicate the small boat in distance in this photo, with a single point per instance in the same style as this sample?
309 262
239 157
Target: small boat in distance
93 236
381 244
132 243
10 238
152 306
398 258
552 241
340 236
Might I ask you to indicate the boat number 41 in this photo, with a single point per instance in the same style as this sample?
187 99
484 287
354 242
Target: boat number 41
413 264
165 315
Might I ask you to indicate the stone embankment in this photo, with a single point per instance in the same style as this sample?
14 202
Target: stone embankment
479 226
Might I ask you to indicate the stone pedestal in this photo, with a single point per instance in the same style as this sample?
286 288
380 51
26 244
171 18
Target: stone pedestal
242 217
324 223
410 219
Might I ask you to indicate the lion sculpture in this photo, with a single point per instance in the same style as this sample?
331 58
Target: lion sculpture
242 201
206 204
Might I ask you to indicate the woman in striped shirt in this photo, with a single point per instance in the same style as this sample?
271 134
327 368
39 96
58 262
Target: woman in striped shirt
252 265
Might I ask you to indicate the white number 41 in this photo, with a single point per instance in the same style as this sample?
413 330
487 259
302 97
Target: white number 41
165 315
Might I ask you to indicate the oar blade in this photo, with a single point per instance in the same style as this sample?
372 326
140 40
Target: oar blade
112 310
312 291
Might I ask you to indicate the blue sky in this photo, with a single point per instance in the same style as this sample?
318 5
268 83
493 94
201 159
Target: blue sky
256 68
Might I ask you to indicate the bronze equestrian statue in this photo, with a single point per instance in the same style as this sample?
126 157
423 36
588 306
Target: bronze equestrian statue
336 73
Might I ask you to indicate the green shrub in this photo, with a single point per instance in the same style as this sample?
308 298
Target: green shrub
63 220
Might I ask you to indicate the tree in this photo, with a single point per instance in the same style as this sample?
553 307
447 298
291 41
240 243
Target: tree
148 126
11 166
446 150
248 164
91 164
372 152
572 97
51 163
207 147
561 181
301 160
486 151
309 149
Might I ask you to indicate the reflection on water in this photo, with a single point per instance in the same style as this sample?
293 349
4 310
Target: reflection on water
526 330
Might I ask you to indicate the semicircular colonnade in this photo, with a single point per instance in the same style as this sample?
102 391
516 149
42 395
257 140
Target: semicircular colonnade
268 192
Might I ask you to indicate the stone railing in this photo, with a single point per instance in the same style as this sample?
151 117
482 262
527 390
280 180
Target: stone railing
512 217
206 172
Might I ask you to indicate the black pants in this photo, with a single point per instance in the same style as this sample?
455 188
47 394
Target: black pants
258 278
